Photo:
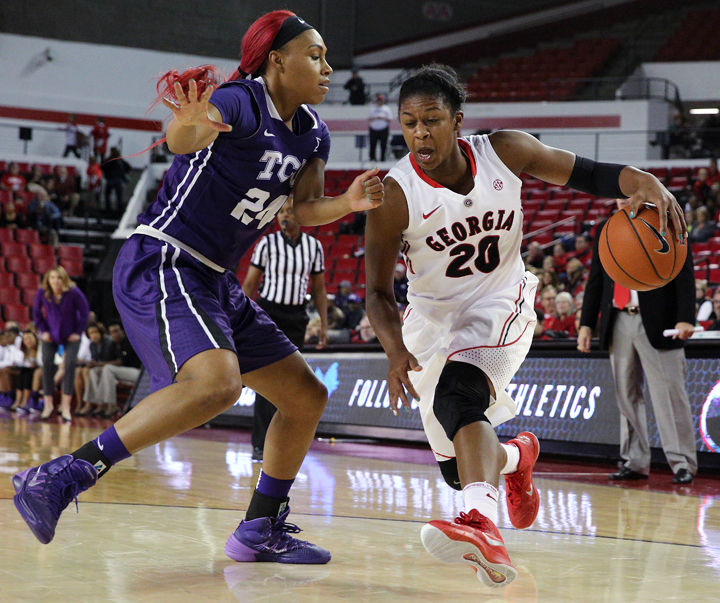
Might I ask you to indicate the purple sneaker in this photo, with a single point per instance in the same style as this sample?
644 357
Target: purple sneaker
43 492
268 539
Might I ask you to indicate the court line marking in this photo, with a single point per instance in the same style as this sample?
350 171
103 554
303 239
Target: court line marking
552 532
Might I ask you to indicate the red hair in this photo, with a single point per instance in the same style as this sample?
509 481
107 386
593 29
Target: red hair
204 76
255 47
258 39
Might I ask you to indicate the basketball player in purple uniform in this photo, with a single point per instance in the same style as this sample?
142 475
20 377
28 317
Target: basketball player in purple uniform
241 150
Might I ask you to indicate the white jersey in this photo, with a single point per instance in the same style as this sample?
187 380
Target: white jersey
461 247
470 298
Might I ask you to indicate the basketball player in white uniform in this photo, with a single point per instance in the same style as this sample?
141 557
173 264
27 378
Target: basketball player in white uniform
452 206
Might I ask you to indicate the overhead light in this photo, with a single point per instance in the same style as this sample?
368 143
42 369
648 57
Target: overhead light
705 111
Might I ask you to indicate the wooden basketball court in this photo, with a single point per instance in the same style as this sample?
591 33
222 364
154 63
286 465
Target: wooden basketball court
154 529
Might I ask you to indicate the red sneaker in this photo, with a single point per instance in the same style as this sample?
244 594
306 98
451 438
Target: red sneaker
523 499
471 539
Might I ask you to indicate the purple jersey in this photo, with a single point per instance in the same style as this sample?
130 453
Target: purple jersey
219 200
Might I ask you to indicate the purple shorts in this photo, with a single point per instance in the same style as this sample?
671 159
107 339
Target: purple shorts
173 307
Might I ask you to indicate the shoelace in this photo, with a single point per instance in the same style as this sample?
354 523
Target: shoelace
474 520
281 531
513 489
61 497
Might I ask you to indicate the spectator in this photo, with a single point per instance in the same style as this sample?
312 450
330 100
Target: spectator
72 137
103 381
559 257
354 312
94 176
100 135
60 313
26 387
715 314
342 295
702 184
702 229
562 322
49 188
44 215
703 306
365 333
10 218
102 351
335 316
67 190
583 249
549 277
10 360
13 180
535 255
116 171
548 263
575 276
547 300
356 87
539 330
379 123
400 284
36 177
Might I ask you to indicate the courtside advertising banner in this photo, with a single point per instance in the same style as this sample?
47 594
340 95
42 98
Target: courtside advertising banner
565 399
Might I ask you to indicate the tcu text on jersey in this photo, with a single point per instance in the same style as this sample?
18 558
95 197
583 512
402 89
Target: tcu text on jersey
253 205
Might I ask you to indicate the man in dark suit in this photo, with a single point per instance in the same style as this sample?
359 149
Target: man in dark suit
631 327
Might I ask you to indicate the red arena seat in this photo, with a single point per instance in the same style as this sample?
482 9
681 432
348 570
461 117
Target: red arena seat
17 312
18 264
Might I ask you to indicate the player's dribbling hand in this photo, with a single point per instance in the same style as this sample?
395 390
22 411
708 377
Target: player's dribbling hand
192 109
583 339
399 385
651 190
366 191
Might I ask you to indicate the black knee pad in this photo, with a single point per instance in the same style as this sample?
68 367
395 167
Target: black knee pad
462 396
449 470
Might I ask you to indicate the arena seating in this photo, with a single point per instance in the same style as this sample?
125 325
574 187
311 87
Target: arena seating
23 261
548 74
695 39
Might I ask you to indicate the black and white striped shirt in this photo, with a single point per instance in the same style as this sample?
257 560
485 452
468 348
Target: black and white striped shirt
287 267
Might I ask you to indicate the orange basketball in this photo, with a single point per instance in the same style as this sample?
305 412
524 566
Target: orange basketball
636 255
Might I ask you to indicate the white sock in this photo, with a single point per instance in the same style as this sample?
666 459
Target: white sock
483 497
513 458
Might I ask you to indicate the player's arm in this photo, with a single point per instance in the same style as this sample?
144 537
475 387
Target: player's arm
383 234
522 152
252 278
312 207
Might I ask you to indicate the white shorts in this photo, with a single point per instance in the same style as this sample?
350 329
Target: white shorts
492 333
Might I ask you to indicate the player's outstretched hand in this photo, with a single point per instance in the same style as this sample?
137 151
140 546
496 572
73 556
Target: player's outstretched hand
192 109
399 385
366 191
651 190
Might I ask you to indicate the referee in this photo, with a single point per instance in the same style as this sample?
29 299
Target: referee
286 260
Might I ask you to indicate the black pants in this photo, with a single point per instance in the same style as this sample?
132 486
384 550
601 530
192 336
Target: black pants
116 186
71 149
291 320
378 136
